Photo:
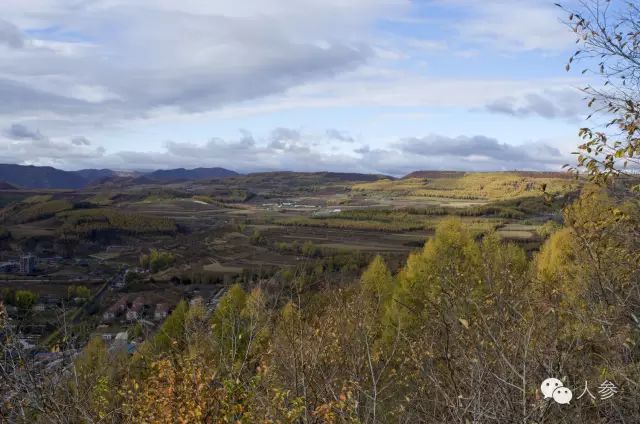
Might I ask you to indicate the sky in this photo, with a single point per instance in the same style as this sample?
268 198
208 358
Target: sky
376 86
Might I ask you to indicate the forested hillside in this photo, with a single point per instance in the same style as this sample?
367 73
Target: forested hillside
465 331
320 286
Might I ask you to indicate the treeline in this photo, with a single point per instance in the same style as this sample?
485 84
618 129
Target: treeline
78 292
156 260
387 225
427 218
464 332
94 222
34 212
21 299
393 215
508 209
398 222
475 186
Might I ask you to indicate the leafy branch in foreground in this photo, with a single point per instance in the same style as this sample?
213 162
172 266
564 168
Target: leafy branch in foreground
608 33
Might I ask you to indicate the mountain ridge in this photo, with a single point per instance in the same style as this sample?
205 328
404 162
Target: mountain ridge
47 177
178 174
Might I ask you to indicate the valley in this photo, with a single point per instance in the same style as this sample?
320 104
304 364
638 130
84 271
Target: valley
249 228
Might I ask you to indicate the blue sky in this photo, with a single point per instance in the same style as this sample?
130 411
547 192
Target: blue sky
387 86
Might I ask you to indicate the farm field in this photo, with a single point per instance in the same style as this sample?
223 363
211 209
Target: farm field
213 233
226 226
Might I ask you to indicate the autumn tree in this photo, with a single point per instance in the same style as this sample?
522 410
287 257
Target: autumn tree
377 281
25 299
608 37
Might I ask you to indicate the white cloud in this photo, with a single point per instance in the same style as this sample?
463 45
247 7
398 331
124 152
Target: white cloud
386 87
10 35
291 149
550 104
513 26
69 67
131 57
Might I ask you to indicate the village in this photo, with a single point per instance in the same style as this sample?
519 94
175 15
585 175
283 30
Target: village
108 300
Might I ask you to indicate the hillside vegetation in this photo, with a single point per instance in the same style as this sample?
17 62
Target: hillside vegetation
91 222
46 209
464 331
473 186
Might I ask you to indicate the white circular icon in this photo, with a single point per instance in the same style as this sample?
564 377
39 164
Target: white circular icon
562 395
548 386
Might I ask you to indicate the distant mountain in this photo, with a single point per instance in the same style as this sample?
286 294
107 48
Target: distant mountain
6 186
47 177
93 175
119 181
458 174
434 174
319 177
179 174
352 176
40 177
288 180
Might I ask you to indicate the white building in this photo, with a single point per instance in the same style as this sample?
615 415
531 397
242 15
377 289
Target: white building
27 264
161 312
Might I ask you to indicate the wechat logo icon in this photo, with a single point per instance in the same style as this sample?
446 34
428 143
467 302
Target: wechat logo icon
552 388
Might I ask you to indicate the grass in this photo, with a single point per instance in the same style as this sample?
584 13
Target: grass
158 197
517 235
7 199
37 199
105 256
102 199
363 247
204 199
223 269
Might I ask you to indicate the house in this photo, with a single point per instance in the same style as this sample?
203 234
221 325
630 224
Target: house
161 312
121 280
135 311
27 264
114 310
38 307
120 343
50 299
108 315
107 336
196 301
7 267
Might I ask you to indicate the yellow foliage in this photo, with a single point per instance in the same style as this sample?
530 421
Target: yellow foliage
483 186
175 392
556 259
377 281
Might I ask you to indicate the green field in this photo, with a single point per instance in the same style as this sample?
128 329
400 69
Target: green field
250 223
